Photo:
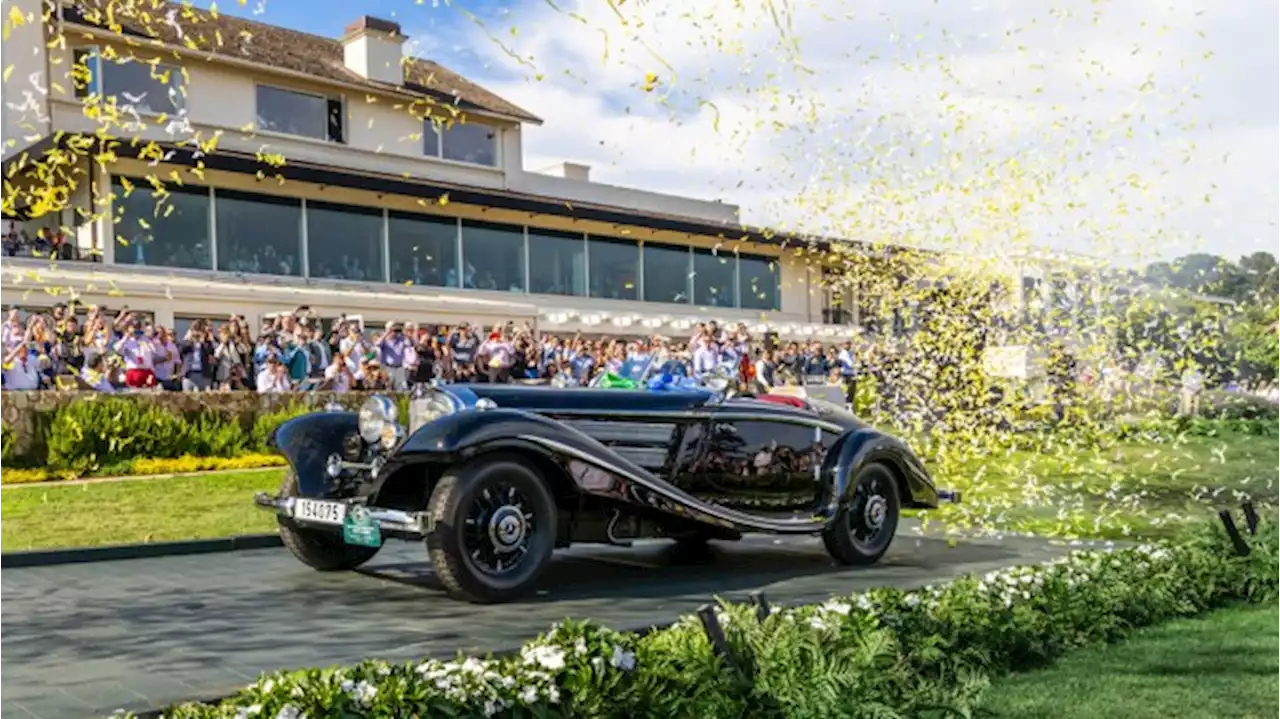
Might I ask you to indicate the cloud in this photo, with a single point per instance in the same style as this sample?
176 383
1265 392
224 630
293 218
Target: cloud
1099 126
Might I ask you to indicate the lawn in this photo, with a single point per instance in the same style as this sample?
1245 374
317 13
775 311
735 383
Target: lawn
1133 488
1220 665
134 511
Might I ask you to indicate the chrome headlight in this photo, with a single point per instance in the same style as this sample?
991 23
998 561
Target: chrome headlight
428 407
376 413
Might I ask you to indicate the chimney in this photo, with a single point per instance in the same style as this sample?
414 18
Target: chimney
371 48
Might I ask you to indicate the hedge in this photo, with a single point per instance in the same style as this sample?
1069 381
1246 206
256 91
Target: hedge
883 653
80 434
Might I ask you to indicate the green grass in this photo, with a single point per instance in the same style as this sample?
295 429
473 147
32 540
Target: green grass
1220 665
1133 488
134 511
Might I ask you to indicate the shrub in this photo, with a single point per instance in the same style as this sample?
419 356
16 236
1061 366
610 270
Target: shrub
106 430
883 653
6 443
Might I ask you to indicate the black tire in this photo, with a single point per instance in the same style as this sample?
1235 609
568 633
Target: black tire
317 548
854 538
490 511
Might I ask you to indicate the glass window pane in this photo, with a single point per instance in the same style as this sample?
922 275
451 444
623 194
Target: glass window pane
493 256
164 230
293 113
431 137
759 283
424 250
557 263
666 274
470 142
344 243
615 266
132 83
258 233
714 279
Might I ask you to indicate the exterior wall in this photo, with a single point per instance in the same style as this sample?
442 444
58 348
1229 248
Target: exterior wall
594 192
381 137
26 108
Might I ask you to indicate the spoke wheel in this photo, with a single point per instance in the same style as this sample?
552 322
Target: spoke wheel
865 528
494 528
498 528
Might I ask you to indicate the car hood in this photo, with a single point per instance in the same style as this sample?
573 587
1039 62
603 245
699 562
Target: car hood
544 398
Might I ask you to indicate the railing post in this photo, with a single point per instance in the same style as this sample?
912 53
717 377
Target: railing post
711 625
762 605
1242 547
1250 517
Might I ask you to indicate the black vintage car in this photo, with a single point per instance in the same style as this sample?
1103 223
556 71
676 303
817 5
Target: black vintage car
495 477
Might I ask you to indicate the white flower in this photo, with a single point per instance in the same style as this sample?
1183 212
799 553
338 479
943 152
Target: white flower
580 646
249 711
912 600
817 623
863 602
548 657
597 663
553 694
838 607
528 695
623 659
364 692
268 685
289 711
493 706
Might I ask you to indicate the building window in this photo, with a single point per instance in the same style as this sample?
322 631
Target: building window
165 229
714 279
344 243
757 283
300 113
148 87
424 250
470 142
667 274
258 233
557 263
493 256
615 269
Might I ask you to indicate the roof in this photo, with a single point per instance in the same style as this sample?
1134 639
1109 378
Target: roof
183 26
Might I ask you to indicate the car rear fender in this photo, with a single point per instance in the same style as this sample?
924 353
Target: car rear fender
856 448
308 441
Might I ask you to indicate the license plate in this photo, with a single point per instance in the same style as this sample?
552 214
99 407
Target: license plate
312 510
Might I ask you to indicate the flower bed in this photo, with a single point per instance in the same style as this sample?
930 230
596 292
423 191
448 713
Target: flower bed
881 653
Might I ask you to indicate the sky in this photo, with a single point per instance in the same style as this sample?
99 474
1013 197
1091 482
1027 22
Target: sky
1129 130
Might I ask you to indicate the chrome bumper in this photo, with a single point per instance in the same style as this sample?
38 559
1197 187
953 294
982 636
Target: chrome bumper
390 520
949 495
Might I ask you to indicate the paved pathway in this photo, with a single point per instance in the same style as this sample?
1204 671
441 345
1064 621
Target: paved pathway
83 640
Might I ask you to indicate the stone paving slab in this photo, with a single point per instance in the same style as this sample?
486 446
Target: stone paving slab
86 639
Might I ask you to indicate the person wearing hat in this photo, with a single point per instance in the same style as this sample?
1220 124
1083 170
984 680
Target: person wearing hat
393 348
498 355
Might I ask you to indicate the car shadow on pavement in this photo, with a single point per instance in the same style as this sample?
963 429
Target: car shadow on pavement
664 569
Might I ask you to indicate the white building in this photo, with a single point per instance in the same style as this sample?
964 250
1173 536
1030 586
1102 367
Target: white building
299 169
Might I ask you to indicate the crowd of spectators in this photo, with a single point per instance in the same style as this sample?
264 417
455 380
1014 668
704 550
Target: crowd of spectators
296 352
19 243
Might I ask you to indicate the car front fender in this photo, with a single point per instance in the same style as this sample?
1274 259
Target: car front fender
463 432
857 448
308 441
